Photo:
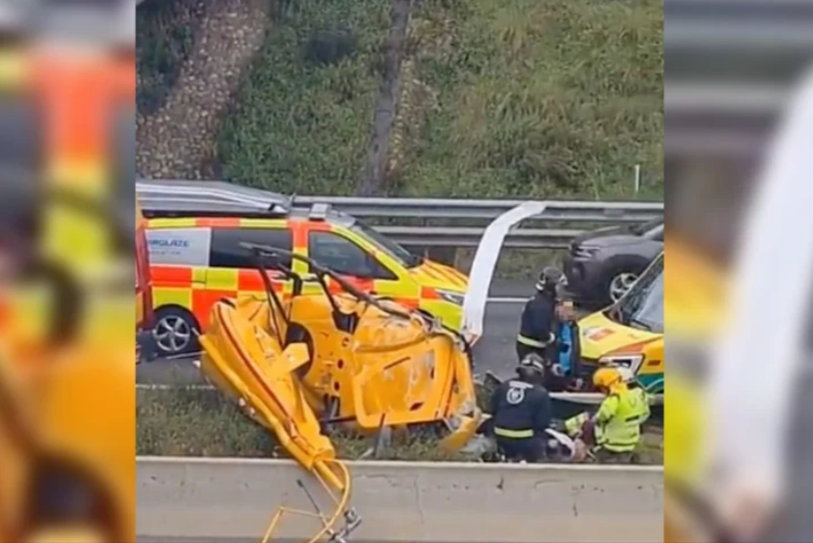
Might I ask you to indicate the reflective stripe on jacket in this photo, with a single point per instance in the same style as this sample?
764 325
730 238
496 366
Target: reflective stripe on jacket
574 425
513 434
530 342
538 321
619 419
520 410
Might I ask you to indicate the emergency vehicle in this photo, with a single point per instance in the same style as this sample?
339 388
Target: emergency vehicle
143 290
629 333
194 233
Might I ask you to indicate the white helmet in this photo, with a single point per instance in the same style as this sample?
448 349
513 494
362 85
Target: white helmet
626 374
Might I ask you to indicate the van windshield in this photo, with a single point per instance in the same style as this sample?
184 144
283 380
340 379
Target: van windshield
642 306
382 242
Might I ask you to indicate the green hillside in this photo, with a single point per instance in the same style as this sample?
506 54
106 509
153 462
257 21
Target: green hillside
531 97
523 98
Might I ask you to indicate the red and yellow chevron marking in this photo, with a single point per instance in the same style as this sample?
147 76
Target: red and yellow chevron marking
198 289
416 289
79 94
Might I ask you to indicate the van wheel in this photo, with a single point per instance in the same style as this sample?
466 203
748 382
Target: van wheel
175 331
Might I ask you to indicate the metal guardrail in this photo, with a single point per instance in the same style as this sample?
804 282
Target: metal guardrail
488 210
725 99
435 236
560 216
732 65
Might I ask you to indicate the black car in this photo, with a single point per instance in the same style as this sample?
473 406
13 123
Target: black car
601 265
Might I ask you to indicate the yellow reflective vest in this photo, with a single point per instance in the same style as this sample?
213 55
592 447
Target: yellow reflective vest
619 419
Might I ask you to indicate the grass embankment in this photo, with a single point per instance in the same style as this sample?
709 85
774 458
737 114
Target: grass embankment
164 37
530 98
204 423
526 98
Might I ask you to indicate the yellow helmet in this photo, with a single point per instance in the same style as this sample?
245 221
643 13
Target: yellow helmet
607 378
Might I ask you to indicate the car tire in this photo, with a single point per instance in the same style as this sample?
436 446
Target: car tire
175 332
618 281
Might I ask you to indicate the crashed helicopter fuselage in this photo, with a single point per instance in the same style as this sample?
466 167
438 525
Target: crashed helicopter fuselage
347 357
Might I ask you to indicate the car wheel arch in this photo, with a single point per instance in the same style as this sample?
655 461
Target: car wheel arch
625 262
617 265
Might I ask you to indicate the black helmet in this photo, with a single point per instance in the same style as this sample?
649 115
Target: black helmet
532 368
549 279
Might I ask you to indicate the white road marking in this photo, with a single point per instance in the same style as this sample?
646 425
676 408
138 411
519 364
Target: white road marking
143 386
507 300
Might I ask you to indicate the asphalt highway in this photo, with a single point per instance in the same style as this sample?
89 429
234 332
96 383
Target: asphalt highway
494 352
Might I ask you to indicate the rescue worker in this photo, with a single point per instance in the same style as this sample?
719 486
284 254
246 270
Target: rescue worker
563 371
537 332
521 411
615 429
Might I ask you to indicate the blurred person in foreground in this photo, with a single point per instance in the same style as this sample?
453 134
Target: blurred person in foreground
754 406
67 401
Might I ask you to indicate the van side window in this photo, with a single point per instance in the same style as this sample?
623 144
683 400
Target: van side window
226 251
345 257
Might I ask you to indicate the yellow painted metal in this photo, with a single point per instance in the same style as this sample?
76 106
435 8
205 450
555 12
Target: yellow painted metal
392 371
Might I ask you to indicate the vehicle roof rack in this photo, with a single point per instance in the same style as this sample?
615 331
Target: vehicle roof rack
208 198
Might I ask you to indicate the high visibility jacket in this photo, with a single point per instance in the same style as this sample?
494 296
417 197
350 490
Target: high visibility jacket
619 419
683 443
575 424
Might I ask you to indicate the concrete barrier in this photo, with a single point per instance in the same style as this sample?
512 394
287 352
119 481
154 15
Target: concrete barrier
404 502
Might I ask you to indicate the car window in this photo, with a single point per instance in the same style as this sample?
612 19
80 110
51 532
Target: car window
345 257
656 233
226 251
644 228
178 246
642 305
396 252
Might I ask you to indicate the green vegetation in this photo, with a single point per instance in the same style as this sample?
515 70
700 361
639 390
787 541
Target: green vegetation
301 124
204 423
529 98
526 98
164 35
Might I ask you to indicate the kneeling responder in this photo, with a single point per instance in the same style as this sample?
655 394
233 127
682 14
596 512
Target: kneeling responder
521 410
538 325
616 427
